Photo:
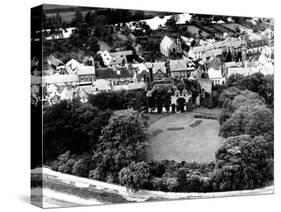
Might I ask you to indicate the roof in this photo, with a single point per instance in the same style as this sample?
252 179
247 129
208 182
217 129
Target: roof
52 60
158 65
72 65
135 86
215 63
205 84
214 74
86 70
109 73
140 67
166 42
58 78
104 46
102 84
118 57
178 65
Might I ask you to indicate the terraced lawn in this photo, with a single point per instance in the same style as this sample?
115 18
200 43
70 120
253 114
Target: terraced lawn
191 139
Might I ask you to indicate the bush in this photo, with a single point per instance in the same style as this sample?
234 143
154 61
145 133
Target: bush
135 176
82 165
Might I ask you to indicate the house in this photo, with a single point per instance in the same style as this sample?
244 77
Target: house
142 72
86 74
180 68
115 58
206 85
119 58
101 85
104 46
60 33
60 79
72 66
106 57
115 75
168 46
215 75
159 70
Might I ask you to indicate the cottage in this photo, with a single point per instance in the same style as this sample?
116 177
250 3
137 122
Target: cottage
101 85
115 58
86 74
159 70
119 58
142 72
180 68
60 79
72 66
168 46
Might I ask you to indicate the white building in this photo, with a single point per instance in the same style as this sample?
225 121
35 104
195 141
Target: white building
167 46
216 76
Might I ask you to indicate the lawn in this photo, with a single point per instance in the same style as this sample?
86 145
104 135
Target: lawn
181 137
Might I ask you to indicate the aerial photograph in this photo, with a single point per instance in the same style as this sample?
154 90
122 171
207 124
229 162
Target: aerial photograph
138 106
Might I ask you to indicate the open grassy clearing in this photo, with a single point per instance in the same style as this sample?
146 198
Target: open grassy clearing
181 137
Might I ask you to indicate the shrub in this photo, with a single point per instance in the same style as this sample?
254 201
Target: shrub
135 176
82 165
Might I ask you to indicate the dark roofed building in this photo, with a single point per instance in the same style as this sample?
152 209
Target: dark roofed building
109 73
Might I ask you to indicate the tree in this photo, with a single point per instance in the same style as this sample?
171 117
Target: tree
243 163
249 119
172 22
72 126
121 142
78 19
257 82
136 176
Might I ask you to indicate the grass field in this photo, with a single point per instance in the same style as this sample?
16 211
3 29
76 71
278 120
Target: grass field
192 139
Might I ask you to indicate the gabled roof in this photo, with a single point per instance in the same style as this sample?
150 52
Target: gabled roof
104 46
140 67
52 60
58 78
101 85
166 43
72 66
214 74
178 65
86 70
158 66
109 73
118 57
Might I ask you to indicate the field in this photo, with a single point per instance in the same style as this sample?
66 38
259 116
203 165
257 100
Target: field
181 137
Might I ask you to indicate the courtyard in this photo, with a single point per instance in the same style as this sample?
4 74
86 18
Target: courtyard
182 137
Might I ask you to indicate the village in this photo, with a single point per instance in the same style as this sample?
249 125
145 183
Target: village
139 105
207 55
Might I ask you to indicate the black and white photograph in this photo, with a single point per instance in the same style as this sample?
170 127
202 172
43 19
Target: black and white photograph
132 105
